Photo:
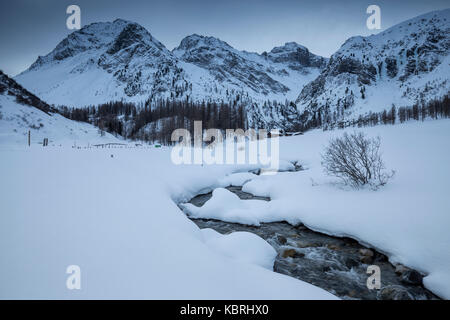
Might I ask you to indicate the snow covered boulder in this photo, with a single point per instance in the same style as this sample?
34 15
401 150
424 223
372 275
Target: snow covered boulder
226 206
242 246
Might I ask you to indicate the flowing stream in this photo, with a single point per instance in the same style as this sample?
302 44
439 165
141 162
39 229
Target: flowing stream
338 265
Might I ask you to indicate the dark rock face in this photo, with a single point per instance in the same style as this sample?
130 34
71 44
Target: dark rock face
412 277
297 57
391 67
72 45
65 52
365 72
409 69
131 34
11 87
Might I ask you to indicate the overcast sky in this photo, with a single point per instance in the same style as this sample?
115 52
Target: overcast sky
30 28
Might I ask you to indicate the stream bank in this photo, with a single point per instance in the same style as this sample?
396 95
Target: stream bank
338 265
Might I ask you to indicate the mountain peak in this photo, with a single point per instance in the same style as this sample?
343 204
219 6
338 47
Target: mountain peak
411 32
403 65
196 41
121 53
115 36
288 46
92 36
296 55
121 21
132 33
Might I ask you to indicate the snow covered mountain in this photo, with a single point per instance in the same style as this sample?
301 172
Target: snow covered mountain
121 60
280 73
405 64
21 111
103 62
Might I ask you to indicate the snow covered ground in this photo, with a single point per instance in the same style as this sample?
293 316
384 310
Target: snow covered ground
116 218
17 119
408 219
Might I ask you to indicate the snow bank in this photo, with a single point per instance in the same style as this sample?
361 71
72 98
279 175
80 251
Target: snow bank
115 218
237 179
242 246
408 218
226 206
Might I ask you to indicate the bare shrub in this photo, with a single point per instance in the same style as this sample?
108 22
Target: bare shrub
356 160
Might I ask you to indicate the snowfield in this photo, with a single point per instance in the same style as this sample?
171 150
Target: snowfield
117 218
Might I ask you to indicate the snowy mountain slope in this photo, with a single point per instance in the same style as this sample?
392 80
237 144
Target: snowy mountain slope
21 111
121 60
280 73
407 63
225 63
103 62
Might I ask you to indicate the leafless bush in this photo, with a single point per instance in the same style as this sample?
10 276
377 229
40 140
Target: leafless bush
356 160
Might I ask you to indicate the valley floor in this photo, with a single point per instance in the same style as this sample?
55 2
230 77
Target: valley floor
113 212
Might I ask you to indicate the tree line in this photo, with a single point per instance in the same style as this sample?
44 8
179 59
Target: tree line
157 120
434 109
